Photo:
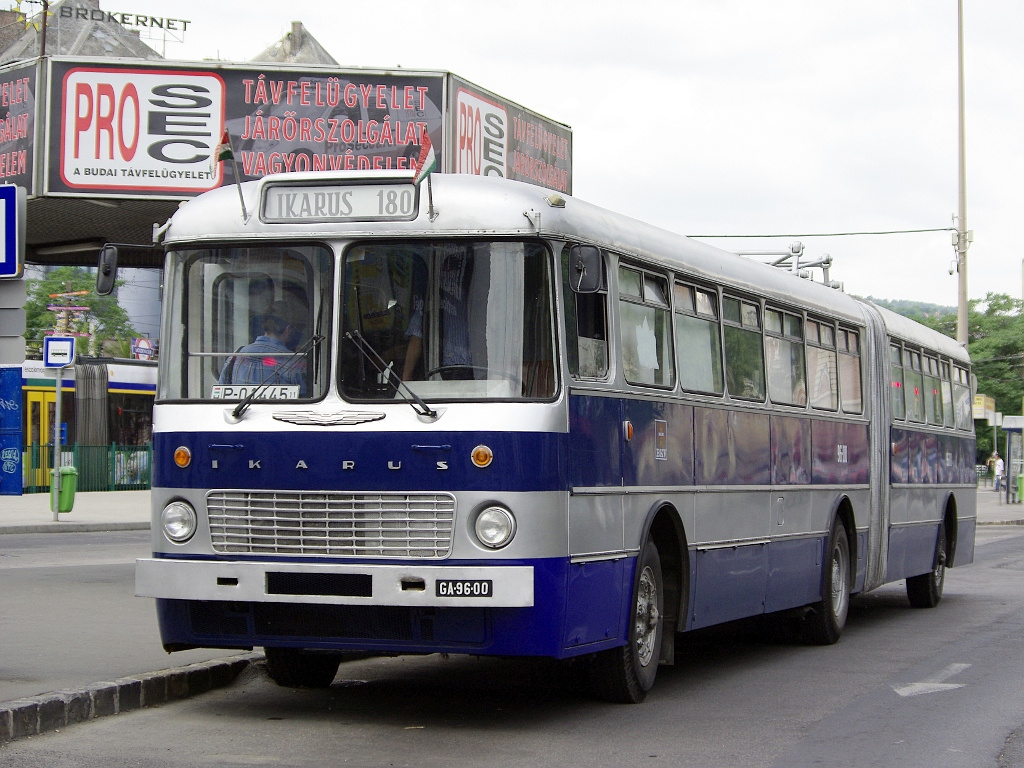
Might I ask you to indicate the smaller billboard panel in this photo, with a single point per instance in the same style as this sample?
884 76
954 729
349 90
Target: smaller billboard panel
17 125
492 136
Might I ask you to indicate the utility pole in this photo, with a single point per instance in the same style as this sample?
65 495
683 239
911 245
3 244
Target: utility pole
42 44
963 235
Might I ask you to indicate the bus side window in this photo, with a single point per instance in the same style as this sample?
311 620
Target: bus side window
948 415
849 372
645 328
821 360
962 398
698 340
932 392
913 381
744 350
585 327
784 350
899 407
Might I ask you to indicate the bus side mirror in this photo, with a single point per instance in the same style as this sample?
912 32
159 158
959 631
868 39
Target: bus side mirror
585 268
106 273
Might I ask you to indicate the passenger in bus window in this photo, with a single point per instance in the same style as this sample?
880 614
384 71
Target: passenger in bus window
454 278
269 359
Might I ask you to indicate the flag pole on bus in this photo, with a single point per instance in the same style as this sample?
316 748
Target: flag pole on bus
224 152
426 164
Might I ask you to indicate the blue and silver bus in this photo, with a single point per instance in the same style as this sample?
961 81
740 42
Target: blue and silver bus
499 420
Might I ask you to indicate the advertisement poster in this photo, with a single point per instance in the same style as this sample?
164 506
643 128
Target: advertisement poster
494 137
17 124
138 130
152 130
11 435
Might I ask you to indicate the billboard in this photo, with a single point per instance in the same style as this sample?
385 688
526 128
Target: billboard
495 137
150 129
137 130
17 124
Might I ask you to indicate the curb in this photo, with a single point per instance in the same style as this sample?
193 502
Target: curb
61 527
38 714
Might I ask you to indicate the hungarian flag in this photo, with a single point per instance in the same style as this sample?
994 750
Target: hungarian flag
223 151
426 163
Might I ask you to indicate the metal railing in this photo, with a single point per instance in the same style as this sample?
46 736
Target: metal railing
100 467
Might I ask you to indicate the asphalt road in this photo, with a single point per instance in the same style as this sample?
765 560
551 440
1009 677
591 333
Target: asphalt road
69 616
903 687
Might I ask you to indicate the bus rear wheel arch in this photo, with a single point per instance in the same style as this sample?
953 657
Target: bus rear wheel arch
925 590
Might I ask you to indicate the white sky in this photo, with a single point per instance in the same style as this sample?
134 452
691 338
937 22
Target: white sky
727 116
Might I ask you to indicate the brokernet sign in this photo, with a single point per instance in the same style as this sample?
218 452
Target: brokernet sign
143 130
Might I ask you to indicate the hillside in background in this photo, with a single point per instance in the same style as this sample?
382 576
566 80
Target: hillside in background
915 310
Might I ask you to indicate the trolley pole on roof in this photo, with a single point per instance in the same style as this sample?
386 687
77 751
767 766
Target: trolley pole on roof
963 236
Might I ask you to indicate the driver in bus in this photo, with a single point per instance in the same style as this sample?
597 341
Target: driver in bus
270 359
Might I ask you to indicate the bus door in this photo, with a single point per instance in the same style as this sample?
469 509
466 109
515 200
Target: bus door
40 416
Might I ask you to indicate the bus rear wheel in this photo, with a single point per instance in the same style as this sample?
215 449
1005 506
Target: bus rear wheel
296 668
925 591
624 675
826 619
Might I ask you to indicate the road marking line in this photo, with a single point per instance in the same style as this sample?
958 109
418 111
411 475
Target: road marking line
934 684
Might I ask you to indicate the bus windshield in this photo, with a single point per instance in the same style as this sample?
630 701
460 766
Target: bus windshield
455 319
247 322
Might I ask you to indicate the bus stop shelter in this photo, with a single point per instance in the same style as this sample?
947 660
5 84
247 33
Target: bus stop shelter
1013 426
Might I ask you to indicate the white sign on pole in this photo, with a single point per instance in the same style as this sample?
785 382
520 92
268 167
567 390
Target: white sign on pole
58 351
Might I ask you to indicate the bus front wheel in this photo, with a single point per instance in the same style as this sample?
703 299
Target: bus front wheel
625 675
295 668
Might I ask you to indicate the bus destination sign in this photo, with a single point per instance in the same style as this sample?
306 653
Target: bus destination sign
288 203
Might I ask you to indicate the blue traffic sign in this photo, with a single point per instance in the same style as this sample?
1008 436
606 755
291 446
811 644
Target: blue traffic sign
12 235
58 351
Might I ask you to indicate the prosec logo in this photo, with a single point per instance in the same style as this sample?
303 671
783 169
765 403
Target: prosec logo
150 130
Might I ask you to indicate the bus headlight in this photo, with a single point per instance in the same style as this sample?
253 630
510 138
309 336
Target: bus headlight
495 527
178 521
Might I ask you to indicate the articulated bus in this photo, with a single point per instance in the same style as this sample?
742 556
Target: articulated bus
508 422
107 406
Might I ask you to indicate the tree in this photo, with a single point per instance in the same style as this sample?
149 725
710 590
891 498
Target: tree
105 321
996 336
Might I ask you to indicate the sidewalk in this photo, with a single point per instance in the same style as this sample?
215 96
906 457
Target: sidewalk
993 509
97 511
129 511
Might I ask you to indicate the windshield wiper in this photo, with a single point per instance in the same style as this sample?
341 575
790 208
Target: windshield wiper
387 370
243 406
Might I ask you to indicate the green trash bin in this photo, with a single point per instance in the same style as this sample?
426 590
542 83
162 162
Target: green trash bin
1020 488
68 485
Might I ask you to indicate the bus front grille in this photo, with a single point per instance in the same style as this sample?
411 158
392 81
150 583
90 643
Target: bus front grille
338 524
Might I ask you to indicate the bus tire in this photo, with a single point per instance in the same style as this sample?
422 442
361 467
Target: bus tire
295 668
624 675
925 591
824 622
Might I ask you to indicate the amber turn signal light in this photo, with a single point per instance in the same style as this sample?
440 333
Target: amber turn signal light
182 456
482 456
